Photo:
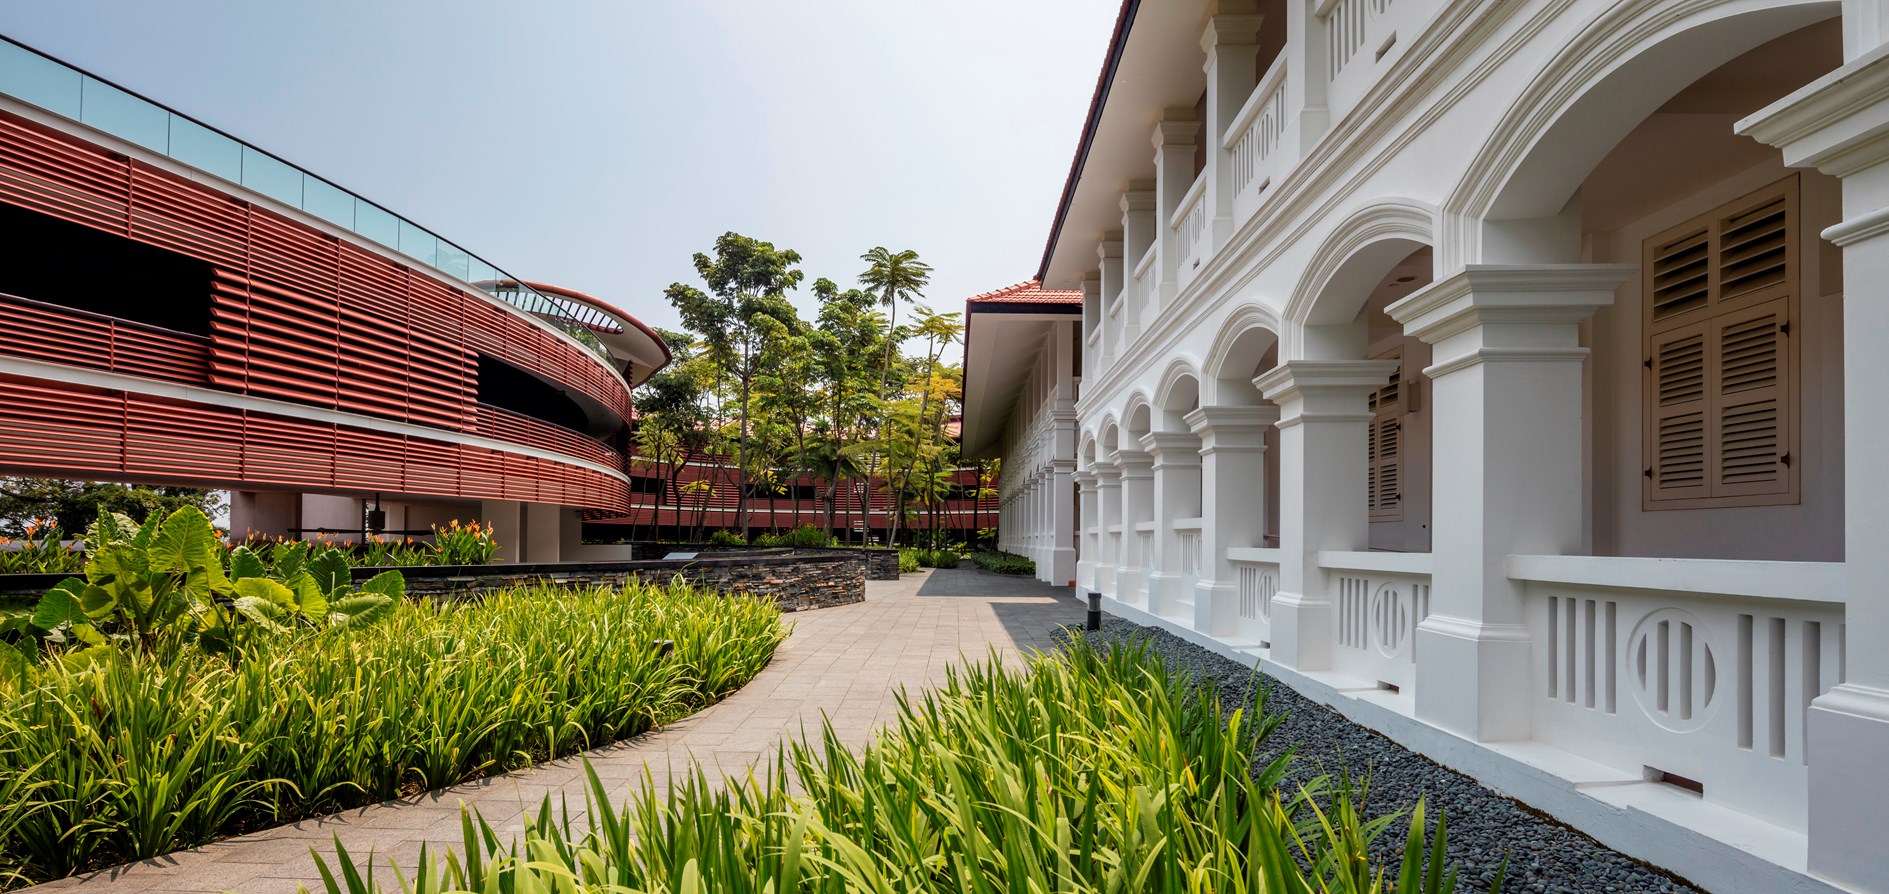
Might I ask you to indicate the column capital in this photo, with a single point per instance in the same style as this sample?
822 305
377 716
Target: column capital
1496 297
1111 245
1139 196
1224 428
1134 463
1172 448
1177 129
1323 390
1106 476
1233 30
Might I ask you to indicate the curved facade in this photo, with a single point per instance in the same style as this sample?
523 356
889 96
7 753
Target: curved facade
186 308
1501 375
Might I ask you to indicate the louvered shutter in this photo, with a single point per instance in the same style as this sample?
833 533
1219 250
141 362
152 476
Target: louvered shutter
1676 396
1384 450
1720 397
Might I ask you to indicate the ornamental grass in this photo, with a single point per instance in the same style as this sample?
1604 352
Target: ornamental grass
140 753
1093 770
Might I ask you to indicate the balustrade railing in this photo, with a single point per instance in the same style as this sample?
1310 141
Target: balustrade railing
1188 229
37 330
1380 599
1255 141
1256 575
1691 669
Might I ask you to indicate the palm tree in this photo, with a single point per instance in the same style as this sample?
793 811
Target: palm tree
894 277
939 330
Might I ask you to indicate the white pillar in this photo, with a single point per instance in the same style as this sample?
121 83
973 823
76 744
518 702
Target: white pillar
1323 419
542 534
1137 471
506 519
1061 495
1176 496
1173 176
1085 521
1232 55
1836 124
1140 229
1232 505
1506 391
1108 491
1109 252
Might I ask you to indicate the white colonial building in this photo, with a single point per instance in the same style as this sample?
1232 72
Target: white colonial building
1502 373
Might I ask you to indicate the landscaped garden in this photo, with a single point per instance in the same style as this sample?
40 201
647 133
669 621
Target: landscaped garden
1095 769
177 692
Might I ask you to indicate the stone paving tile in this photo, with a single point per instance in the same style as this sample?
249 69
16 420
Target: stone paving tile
844 663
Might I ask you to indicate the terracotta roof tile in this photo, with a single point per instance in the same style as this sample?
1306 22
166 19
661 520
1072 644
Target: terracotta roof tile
1028 292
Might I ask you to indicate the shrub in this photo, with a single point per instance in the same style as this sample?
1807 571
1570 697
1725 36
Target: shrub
726 538
472 544
936 558
767 541
142 753
807 537
1095 770
42 551
908 561
1003 563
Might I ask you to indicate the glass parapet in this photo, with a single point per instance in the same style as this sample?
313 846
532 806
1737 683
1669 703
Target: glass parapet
39 80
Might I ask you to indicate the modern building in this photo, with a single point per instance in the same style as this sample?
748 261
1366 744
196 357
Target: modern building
178 306
1500 374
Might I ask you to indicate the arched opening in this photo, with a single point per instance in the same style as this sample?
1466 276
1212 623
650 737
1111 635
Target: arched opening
1713 393
1346 321
1254 350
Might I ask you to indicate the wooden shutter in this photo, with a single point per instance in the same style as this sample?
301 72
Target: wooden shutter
1721 292
1384 450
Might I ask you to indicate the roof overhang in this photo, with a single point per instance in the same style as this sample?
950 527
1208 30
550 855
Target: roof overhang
1153 63
632 342
1002 340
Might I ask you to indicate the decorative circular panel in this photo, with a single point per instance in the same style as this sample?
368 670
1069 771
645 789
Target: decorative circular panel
1390 620
1672 669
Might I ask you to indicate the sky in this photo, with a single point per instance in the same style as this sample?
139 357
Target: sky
598 145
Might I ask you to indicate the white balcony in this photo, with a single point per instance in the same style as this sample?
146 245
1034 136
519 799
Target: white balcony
1256 140
1379 599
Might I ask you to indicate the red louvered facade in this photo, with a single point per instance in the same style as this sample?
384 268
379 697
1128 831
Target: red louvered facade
327 365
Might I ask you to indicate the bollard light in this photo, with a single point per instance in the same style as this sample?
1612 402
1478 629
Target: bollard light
1095 611
664 647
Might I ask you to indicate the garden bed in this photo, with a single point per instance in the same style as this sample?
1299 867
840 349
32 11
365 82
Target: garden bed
135 753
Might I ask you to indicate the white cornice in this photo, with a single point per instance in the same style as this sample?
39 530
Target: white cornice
1480 293
1838 123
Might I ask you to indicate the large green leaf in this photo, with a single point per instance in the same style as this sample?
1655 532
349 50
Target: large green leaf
308 595
185 542
361 610
266 590
60 605
110 527
387 583
245 563
288 558
331 572
261 612
117 562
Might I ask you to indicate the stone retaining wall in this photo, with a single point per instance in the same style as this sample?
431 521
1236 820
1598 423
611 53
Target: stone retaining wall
794 582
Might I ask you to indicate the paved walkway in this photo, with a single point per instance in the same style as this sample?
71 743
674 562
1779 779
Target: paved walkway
847 662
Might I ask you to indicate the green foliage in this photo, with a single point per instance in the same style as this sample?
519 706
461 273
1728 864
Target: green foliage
141 753
1003 563
41 549
935 558
1096 770
726 538
807 537
908 561
470 544
74 505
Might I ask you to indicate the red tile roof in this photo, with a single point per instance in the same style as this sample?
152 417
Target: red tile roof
1028 292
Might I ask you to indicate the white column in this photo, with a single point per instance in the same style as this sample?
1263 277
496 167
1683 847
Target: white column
1061 495
1836 124
1137 471
505 518
1232 505
1087 518
1232 54
1108 492
1323 419
1176 496
1173 176
1093 311
543 532
1506 391
1109 252
1139 232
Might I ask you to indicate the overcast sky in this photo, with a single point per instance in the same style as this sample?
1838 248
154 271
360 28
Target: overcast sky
598 144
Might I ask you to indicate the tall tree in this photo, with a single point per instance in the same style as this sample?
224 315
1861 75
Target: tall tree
74 504
844 345
745 306
671 422
939 331
893 277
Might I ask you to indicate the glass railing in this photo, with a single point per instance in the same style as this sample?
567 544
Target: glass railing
40 80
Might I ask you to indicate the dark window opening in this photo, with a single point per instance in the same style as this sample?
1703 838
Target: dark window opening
645 484
75 266
507 387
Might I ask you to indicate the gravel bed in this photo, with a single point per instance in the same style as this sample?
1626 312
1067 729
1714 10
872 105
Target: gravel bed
1544 856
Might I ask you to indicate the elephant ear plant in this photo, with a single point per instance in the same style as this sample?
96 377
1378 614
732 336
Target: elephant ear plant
169 576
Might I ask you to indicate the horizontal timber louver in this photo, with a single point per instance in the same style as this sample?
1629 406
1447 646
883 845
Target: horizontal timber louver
1721 293
1384 447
